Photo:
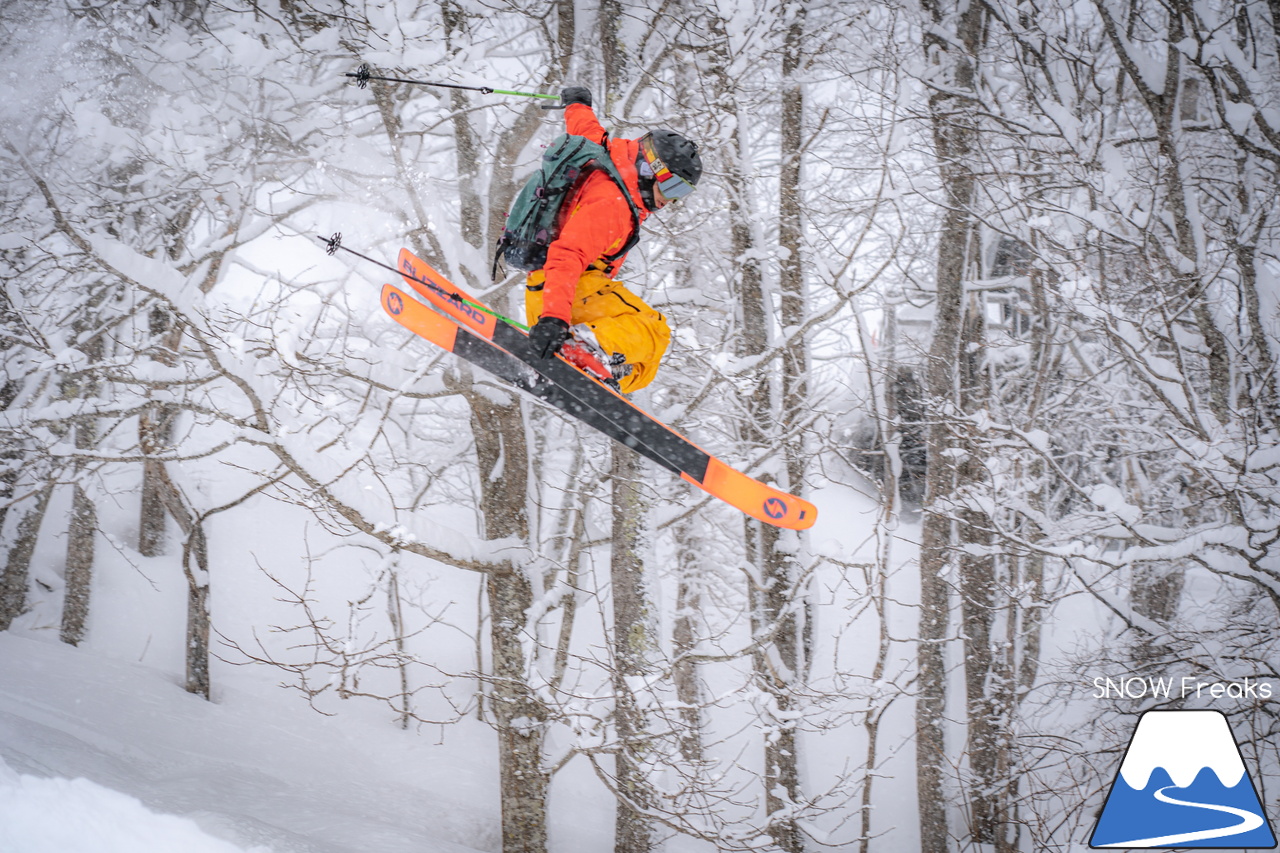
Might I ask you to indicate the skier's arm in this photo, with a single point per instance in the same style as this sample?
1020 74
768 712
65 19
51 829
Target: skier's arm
580 120
593 228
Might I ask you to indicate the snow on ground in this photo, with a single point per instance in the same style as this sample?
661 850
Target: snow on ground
56 815
100 754
101 750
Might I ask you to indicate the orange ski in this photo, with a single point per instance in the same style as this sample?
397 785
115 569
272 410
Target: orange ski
467 329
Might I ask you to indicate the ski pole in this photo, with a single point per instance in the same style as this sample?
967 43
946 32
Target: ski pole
363 75
334 243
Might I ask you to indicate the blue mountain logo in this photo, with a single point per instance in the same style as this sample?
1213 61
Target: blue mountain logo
1183 784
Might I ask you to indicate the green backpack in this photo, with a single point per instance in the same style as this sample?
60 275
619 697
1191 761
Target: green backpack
532 223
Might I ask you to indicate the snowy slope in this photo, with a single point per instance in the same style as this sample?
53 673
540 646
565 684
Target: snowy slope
258 775
106 733
39 815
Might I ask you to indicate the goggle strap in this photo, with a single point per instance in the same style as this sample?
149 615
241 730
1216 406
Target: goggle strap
672 185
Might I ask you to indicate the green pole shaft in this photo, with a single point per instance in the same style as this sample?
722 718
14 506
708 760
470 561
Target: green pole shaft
525 94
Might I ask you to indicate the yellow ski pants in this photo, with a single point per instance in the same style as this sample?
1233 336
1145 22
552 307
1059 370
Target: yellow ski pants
622 322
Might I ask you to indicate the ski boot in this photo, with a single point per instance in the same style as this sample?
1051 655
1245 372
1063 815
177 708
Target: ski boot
584 352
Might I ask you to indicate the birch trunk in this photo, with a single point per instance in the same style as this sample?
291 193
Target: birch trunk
17 565
950 110
634 646
517 715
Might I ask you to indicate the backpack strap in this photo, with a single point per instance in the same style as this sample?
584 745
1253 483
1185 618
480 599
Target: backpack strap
611 261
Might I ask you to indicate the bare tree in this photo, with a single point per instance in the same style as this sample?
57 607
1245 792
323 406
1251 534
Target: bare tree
951 43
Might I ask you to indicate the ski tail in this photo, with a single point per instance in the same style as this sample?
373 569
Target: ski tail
445 296
435 328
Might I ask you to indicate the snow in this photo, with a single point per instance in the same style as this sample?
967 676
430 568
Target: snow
105 731
56 815
1113 502
120 749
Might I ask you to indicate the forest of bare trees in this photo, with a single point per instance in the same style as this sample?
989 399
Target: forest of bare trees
995 285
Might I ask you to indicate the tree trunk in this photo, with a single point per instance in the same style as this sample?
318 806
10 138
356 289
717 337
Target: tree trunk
11 453
518 716
151 513
685 635
779 661
503 467
988 685
782 605
195 566
634 645
155 435
466 142
614 50
83 524
395 615
777 666
951 109
17 565
195 559
81 533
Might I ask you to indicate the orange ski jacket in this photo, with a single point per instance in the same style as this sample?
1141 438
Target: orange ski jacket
595 221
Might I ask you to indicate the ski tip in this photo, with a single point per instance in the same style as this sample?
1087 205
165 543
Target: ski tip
786 511
756 499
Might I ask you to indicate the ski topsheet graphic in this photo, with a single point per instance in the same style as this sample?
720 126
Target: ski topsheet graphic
1183 783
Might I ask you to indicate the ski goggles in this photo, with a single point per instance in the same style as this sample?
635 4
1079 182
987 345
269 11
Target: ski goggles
651 166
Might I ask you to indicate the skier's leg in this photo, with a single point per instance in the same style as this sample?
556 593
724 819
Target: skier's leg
533 297
622 322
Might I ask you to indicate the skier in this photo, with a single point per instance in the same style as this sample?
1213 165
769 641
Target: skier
574 301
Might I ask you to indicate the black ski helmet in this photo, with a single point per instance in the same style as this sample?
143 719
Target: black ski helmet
680 154
669 160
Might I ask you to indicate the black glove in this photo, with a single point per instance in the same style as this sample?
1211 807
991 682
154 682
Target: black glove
575 95
548 335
